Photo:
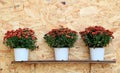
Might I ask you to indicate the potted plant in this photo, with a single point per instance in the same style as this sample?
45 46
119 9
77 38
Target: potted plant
61 39
96 38
21 40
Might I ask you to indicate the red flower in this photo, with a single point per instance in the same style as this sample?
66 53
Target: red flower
26 37
94 33
34 38
62 31
96 36
96 30
83 37
25 33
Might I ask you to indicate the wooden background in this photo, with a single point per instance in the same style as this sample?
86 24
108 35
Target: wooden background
43 15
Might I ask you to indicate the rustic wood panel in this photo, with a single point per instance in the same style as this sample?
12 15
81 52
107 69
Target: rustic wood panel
43 15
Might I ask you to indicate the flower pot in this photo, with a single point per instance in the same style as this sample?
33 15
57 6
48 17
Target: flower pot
97 53
61 53
21 54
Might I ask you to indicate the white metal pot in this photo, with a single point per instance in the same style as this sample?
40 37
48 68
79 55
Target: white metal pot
21 54
61 53
97 53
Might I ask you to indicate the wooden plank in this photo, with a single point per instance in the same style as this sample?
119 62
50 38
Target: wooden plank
69 61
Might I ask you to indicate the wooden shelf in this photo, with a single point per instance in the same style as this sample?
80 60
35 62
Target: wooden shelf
69 61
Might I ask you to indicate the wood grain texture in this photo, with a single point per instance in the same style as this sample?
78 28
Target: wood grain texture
43 15
69 61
